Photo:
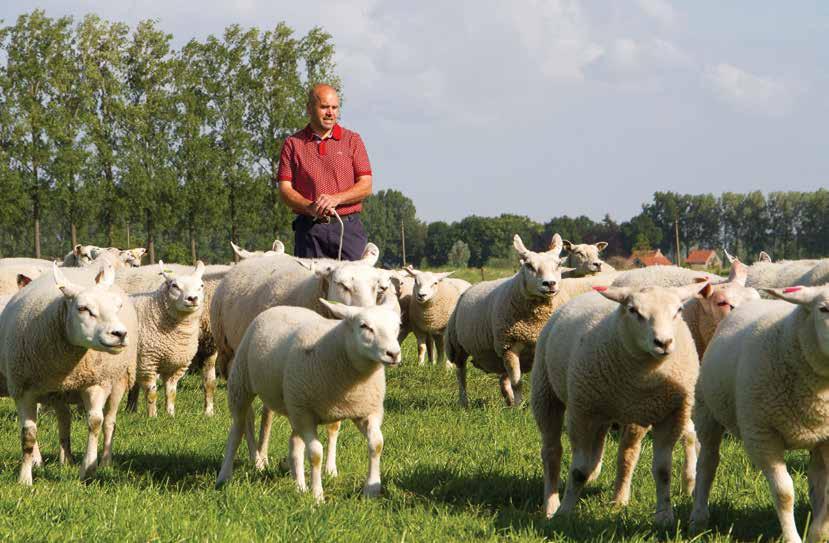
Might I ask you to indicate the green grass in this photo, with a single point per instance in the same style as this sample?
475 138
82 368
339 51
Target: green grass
448 474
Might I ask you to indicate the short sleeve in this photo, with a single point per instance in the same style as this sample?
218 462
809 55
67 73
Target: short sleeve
285 171
360 160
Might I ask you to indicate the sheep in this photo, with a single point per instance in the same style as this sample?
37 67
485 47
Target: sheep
12 277
81 256
169 317
584 259
277 248
63 340
314 371
624 356
133 281
497 322
818 275
763 379
666 276
433 298
764 274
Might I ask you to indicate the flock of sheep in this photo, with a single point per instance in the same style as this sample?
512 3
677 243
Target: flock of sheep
683 353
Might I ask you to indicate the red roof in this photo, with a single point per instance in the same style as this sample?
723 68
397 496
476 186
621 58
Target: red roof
700 256
651 258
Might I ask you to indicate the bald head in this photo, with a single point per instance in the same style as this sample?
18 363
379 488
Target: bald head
323 108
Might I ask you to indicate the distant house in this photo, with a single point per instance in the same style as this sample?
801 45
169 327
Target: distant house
703 259
641 259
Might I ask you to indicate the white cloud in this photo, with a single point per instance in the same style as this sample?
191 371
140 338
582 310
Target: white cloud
660 10
750 93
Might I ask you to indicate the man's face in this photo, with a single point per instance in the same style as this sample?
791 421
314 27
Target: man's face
325 111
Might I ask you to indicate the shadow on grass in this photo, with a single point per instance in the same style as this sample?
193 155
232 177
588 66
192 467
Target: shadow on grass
185 471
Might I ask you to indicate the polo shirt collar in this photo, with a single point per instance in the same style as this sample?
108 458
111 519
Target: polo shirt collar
336 132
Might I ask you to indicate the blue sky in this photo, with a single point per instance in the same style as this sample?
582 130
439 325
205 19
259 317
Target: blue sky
551 107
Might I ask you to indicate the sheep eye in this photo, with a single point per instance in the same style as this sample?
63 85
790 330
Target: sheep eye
723 304
365 326
633 311
344 287
82 308
530 267
824 309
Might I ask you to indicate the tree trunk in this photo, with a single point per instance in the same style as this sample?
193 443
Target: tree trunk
274 198
192 244
110 177
127 226
74 234
233 237
150 237
36 217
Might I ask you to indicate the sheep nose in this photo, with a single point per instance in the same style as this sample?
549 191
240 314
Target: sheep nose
663 344
192 299
597 265
120 334
394 355
549 284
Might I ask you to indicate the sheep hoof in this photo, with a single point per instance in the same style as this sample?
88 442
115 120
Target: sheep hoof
665 519
208 411
698 522
372 490
261 462
331 471
25 478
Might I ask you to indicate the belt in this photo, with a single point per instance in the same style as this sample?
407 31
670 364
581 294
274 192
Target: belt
328 218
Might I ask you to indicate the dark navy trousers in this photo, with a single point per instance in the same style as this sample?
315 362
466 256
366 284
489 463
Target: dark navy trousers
321 240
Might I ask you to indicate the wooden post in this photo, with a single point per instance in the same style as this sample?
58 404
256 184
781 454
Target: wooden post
403 242
676 231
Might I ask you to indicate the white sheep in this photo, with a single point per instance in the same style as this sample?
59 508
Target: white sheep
818 275
147 278
277 248
764 379
81 256
13 277
169 317
666 276
623 357
433 299
314 371
497 322
63 340
584 259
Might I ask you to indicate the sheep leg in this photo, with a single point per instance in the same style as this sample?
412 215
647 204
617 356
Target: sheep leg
506 389
171 390
110 414
208 376
94 399
817 493
421 338
710 433
690 446
548 411
512 364
132 398
250 440
598 452
430 348
440 348
239 411
296 451
665 436
27 415
151 392
333 430
582 431
460 373
370 427
64 417
768 456
264 435
630 445
313 450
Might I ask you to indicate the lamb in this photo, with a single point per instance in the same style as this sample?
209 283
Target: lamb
169 317
63 340
584 259
764 379
277 248
133 281
314 371
497 322
433 299
623 356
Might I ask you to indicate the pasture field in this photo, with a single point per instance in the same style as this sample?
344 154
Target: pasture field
448 475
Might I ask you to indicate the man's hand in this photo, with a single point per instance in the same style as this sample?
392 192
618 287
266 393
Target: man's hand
325 204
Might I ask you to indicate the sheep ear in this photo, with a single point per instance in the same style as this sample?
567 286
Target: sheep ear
162 271
565 269
709 288
442 276
617 294
739 273
139 252
556 244
77 250
199 269
278 247
106 276
338 310
23 280
238 251
763 257
728 256
689 291
519 247
794 295
601 246
567 245
371 254
68 289
410 271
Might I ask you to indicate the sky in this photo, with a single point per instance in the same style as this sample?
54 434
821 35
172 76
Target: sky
552 107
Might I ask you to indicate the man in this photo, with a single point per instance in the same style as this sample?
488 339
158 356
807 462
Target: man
322 168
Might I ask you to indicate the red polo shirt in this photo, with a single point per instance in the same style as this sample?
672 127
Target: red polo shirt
324 166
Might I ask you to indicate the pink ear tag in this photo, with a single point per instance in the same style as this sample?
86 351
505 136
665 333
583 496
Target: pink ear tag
791 289
600 289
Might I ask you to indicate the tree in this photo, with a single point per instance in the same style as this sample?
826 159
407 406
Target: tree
383 215
439 239
458 256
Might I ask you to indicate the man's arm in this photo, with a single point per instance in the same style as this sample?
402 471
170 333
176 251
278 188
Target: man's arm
294 199
325 203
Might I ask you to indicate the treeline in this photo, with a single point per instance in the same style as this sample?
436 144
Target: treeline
108 136
786 224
